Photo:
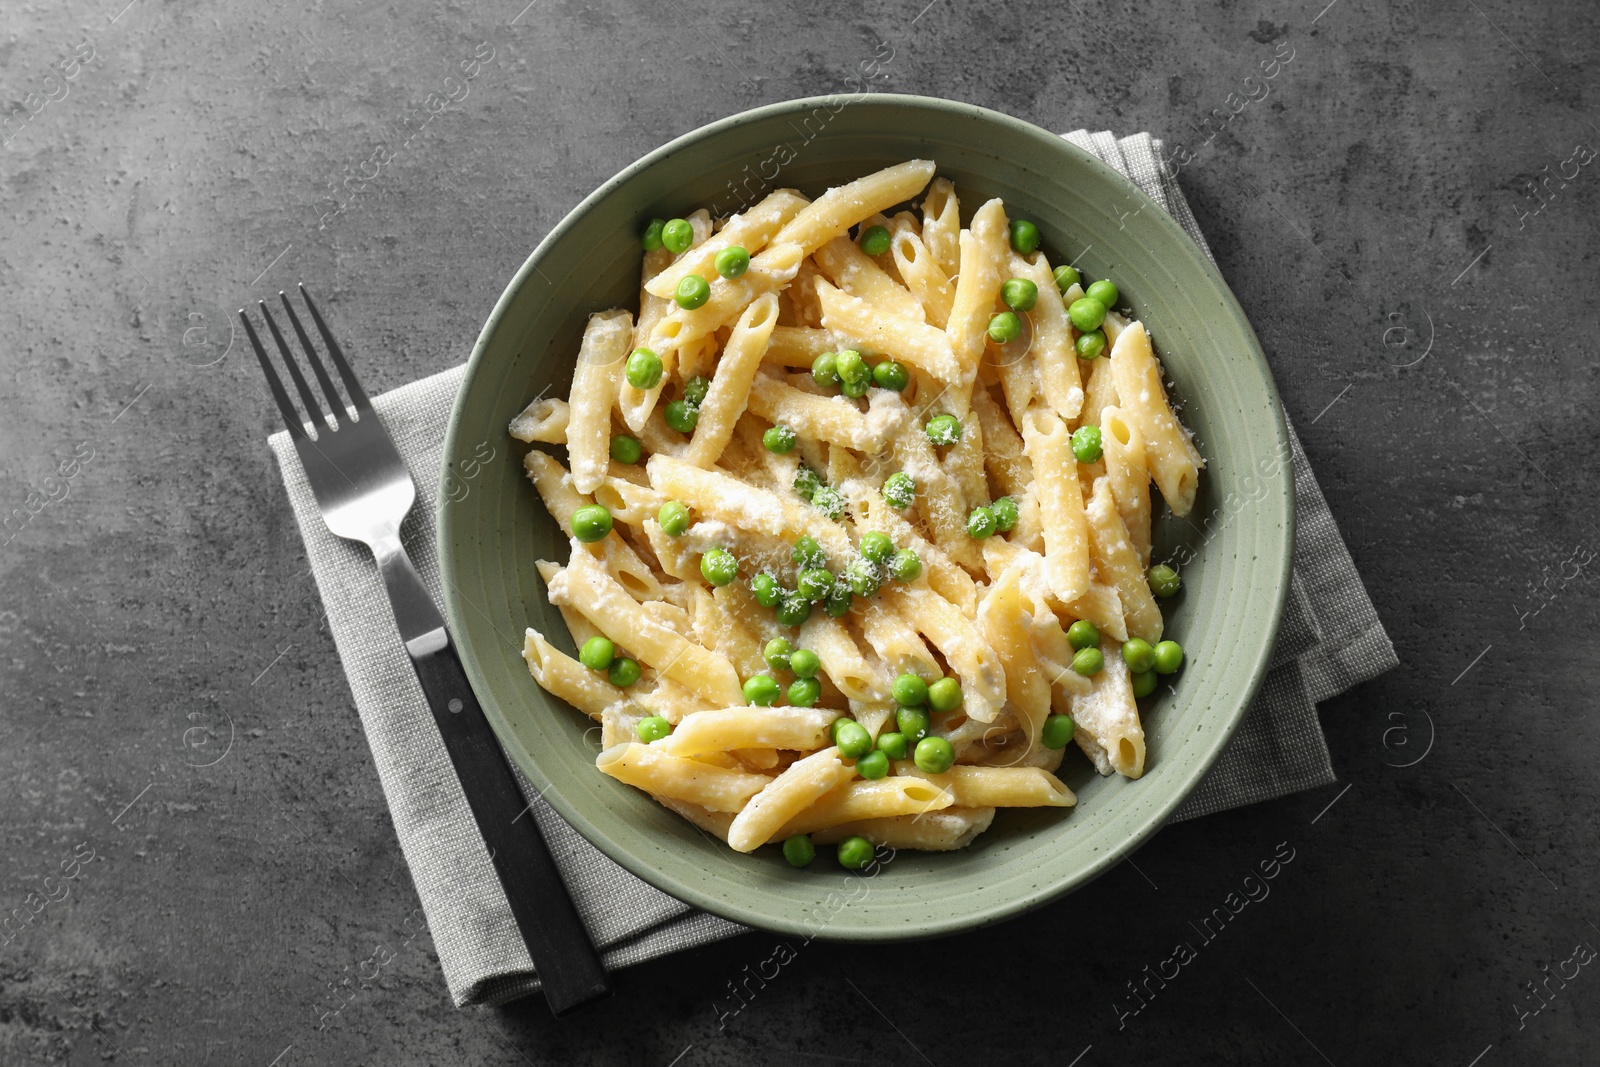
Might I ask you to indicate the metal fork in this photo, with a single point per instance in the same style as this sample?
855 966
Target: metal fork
364 491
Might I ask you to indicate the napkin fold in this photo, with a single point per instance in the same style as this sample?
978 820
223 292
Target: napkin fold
1330 639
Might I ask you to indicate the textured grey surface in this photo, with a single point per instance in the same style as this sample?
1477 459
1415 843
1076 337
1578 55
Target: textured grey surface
174 708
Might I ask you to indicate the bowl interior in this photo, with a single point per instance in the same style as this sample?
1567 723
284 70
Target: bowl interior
1237 541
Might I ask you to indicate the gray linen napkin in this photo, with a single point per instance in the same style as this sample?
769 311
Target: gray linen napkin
1331 639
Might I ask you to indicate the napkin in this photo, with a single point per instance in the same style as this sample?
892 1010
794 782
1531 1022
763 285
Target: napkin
1330 639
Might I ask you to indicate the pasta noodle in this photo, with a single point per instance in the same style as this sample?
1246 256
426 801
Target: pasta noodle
850 563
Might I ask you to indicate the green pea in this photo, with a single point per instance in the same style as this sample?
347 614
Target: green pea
855 390
732 261
779 440
682 416
1164 580
913 723
1083 634
761 690
893 744
1067 277
653 728
1090 345
872 766
805 663
597 653
814 584
590 523
650 238
862 576
1103 291
677 235
719 566
833 727
1138 655
807 482
767 591
805 692
943 429
1057 732
1087 313
808 552
909 691
829 501
696 389
875 240
1005 327
855 852
623 672
944 695
625 449
851 367
674 518
1019 294
899 490
1169 657
934 755
799 850
905 566
980 523
643 369
1144 683
1088 661
794 609
838 602
692 292
825 370
1005 514
876 546
1024 236
853 740
776 653
891 375
1087 444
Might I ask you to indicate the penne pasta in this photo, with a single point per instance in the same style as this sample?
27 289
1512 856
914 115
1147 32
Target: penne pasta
589 588
791 541
861 799
839 209
791 792
604 349
1066 540
727 729
750 231
983 250
1173 460
1118 563
1129 476
650 768
729 391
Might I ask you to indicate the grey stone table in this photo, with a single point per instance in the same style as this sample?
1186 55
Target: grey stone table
197 863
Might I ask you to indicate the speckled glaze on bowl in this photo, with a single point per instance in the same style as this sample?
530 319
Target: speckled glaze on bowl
1239 535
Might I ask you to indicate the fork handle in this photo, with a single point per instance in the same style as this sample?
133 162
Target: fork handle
565 959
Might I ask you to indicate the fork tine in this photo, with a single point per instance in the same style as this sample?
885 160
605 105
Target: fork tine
340 415
313 409
285 407
357 394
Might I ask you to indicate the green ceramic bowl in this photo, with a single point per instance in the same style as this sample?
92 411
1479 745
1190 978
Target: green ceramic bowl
1239 535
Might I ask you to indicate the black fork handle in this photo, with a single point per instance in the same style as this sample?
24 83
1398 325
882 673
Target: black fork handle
568 966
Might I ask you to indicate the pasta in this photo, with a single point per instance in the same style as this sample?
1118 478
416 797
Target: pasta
860 521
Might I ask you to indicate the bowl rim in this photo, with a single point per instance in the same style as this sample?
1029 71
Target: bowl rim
1156 817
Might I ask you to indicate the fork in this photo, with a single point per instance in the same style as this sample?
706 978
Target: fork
364 491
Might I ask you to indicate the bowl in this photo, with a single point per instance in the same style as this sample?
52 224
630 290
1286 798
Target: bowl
1237 540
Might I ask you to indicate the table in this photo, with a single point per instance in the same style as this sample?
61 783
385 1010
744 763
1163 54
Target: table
1406 209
